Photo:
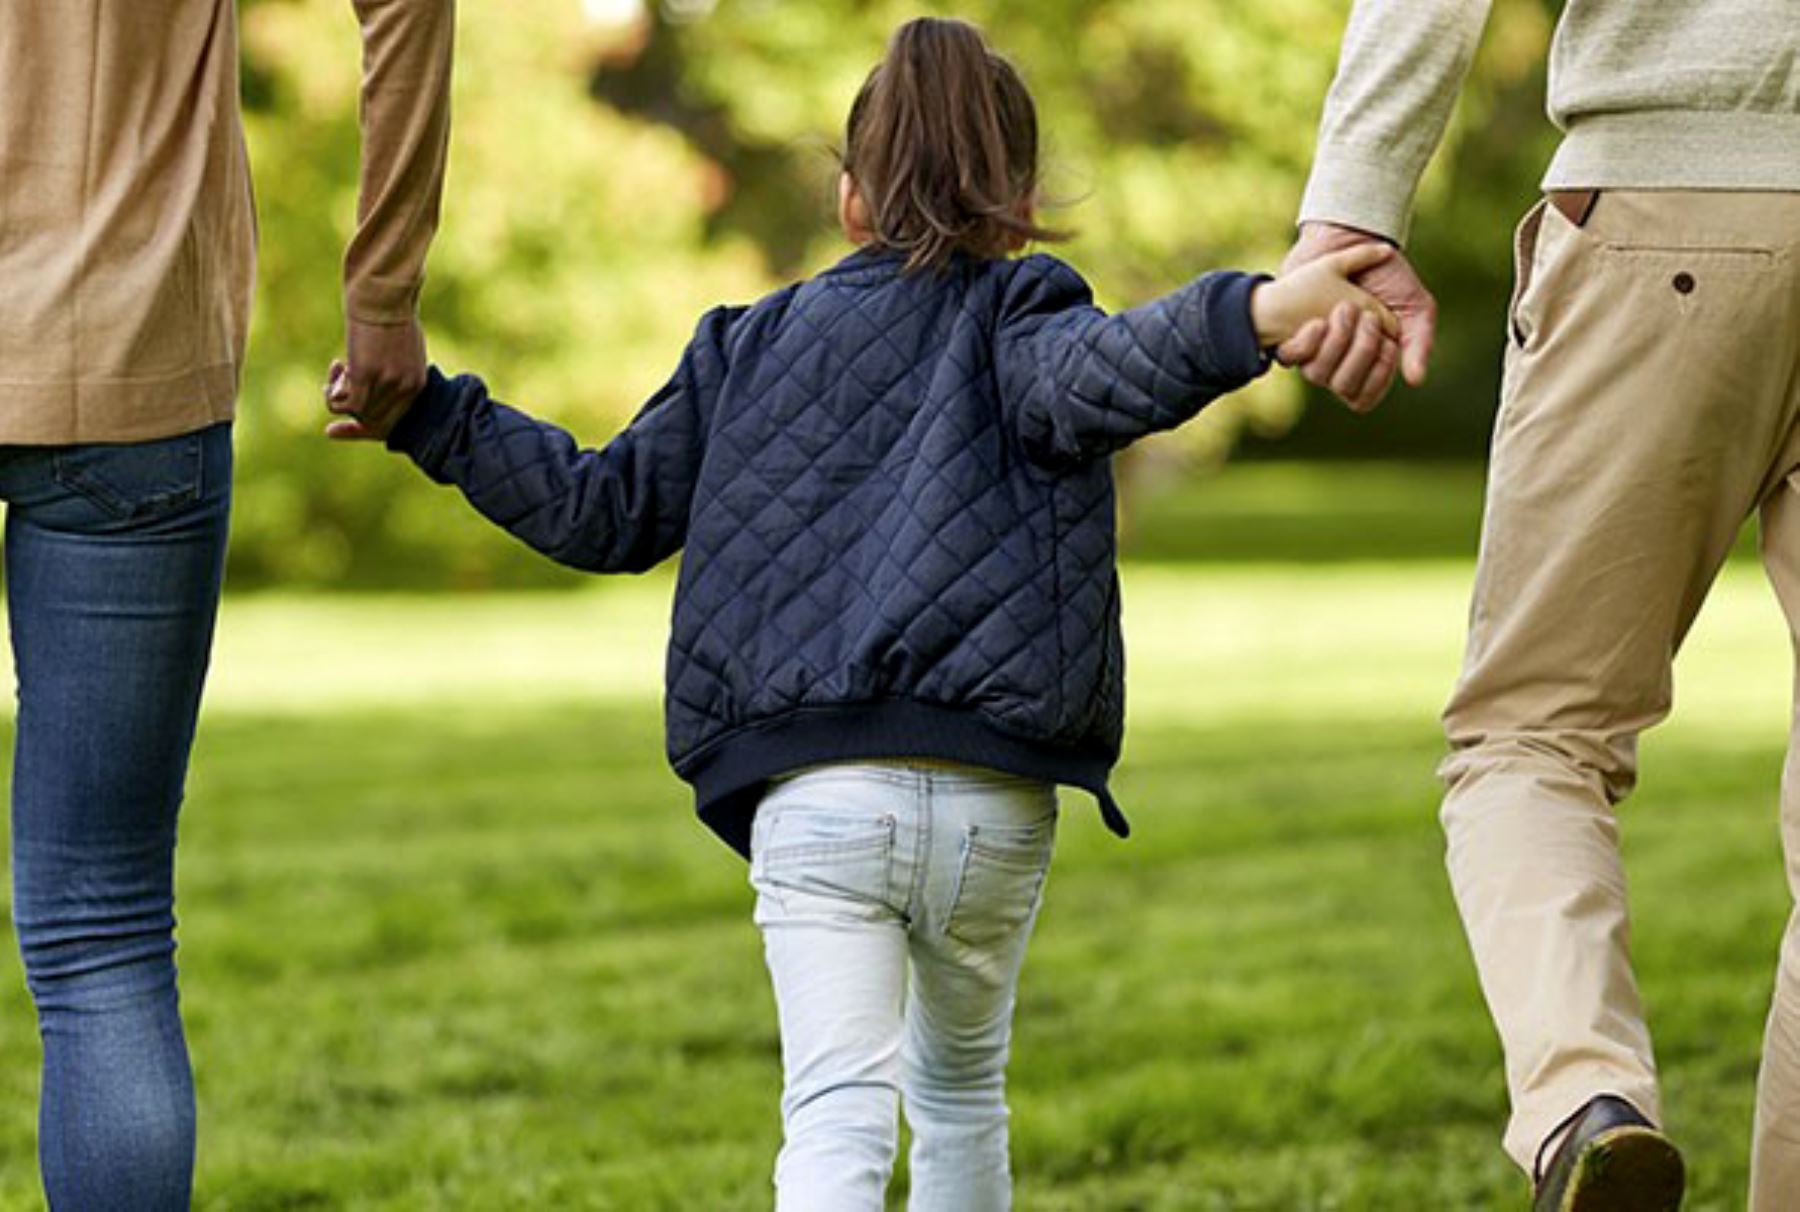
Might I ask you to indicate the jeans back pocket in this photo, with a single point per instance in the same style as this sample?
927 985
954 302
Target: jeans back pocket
831 856
134 481
999 880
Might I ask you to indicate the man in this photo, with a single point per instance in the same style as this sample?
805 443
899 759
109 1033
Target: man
1652 390
127 252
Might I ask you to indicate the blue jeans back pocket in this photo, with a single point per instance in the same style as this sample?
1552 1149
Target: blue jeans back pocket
135 481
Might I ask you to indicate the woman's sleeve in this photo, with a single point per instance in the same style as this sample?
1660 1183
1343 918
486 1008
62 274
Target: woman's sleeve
405 114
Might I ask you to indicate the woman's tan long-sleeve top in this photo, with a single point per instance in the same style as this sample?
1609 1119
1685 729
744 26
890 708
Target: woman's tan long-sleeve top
127 230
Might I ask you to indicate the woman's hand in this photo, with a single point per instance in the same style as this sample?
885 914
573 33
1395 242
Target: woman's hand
382 372
349 427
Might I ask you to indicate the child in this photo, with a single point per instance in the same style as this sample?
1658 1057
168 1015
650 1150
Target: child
896 628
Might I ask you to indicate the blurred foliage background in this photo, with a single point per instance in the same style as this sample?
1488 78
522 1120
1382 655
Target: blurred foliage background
618 166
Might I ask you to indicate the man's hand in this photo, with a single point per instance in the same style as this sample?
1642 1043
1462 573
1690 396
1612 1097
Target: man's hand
386 371
1335 355
1348 354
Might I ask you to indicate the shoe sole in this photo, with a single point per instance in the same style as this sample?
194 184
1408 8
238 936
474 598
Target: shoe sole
1626 1170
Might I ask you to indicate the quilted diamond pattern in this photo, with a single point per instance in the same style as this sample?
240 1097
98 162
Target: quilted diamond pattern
889 487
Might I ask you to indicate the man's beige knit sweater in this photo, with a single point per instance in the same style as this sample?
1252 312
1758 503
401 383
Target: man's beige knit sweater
1650 94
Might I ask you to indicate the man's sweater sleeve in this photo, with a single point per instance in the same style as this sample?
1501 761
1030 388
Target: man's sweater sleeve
1402 66
407 46
1079 384
621 508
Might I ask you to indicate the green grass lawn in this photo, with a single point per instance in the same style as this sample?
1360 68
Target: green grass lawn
452 939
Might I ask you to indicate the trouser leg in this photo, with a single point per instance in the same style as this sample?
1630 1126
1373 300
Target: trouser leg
1633 438
830 899
993 837
114 557
1775 1154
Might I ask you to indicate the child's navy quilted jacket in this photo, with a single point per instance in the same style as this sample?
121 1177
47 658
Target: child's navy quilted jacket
897 507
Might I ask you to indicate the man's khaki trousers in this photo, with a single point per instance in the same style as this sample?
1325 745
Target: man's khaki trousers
1651 404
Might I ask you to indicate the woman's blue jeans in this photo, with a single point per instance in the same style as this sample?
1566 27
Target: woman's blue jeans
114 559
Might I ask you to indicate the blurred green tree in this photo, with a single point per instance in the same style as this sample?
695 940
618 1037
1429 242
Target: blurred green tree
619 167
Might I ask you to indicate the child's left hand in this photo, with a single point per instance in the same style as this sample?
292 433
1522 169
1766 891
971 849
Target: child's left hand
1282 307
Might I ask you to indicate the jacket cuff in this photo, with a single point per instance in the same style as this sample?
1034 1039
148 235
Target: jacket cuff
415 434
1355 189
1227 334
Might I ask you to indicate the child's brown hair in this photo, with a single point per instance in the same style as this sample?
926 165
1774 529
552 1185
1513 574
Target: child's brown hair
942 148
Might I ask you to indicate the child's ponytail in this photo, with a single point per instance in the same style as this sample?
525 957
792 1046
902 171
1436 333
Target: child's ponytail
942 147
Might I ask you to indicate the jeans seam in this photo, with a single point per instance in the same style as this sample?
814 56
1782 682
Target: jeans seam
759 861
922 797
892 821
963 855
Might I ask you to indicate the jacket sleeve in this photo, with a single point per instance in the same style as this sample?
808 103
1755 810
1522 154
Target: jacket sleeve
621 508
407 47
1079 384
1401 68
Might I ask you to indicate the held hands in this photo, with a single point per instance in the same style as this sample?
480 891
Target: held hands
385 372
1336 355
1325 322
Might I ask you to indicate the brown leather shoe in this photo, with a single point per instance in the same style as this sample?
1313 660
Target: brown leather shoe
1612 1160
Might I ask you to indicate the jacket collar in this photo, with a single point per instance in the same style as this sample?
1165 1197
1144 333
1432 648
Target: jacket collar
868 259
876 261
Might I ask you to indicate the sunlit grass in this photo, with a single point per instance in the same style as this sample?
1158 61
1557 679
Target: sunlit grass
451 938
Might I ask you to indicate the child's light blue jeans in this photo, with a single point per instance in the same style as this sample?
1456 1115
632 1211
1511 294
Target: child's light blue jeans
866 875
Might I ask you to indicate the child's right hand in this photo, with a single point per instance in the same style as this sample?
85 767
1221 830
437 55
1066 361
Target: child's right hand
1282 308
